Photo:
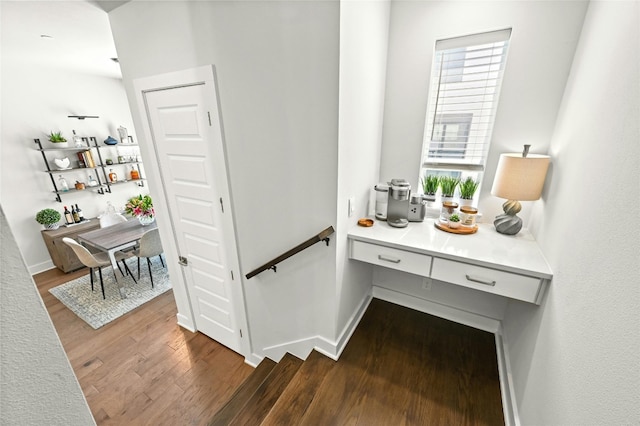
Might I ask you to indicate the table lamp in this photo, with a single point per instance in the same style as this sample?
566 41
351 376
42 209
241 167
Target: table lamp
519 177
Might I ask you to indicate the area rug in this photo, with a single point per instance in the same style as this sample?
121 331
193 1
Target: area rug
96 311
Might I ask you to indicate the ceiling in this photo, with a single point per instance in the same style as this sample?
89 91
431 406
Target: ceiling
108 5
66 35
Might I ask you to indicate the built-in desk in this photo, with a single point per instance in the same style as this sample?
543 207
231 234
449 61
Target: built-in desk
499 265
509 266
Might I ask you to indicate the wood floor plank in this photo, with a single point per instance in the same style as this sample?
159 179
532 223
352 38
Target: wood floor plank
298 395
268 392
243 393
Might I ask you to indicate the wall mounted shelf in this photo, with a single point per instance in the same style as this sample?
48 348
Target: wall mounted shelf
101 167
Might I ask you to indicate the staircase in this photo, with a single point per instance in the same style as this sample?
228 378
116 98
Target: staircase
275 394
400 366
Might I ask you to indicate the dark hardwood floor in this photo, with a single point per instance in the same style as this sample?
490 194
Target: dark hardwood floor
404 367
401 367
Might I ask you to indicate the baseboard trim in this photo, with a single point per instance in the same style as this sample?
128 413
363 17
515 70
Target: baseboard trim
184 322
350 326
443 311
253 360
300 348
303 347
41 267
509 405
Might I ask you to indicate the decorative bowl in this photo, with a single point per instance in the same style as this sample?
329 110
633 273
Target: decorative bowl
110 141
62 163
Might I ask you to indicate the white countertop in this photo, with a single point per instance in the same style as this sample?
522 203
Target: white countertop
519 253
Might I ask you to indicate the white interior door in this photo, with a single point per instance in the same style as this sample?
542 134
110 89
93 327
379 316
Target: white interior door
187 139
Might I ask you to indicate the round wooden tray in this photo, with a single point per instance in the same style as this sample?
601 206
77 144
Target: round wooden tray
366 222
461 230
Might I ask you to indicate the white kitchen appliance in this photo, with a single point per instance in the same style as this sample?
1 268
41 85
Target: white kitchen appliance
382 194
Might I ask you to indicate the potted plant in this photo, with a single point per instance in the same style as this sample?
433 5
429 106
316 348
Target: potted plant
58 139
448 185
430 187
468 188
454 221
49 218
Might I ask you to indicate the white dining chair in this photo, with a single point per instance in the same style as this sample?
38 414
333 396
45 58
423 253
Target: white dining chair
109 219
149 246
97 260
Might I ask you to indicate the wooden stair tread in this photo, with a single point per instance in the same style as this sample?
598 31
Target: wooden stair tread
299 394
268 392
242 395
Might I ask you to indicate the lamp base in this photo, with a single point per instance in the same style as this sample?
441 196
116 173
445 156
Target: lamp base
508 224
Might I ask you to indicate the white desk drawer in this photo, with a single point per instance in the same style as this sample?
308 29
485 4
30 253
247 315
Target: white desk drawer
414 263
485 279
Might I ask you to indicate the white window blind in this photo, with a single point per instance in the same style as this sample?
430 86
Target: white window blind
463 98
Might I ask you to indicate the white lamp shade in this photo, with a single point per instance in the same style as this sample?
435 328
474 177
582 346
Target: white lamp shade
520 178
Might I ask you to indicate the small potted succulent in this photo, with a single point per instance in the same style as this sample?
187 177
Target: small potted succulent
448 185
468 188
430 187
49 218
454 221
57 139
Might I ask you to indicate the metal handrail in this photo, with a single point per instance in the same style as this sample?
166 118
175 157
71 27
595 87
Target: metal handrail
322 236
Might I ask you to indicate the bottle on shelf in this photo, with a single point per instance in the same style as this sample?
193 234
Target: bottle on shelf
74 212
92 181
113 177
68 217
63 185
80 214
77 140
134 173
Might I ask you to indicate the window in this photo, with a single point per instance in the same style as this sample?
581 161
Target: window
463 98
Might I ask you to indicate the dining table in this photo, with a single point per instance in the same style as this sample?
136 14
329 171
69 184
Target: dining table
114 238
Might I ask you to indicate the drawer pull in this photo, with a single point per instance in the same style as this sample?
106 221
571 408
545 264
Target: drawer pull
388 259
480 281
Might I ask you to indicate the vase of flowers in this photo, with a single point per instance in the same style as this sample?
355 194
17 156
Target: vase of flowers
142 208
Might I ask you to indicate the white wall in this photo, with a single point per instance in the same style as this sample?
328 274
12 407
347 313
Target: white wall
277 74
35 101
542 44
364 27
575 359
38 384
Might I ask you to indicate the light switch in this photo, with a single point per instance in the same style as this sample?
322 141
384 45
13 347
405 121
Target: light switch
352 206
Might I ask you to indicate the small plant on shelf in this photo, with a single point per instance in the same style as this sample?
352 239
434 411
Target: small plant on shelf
468 188
454 221
448 185
56 137
49 218
430 186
